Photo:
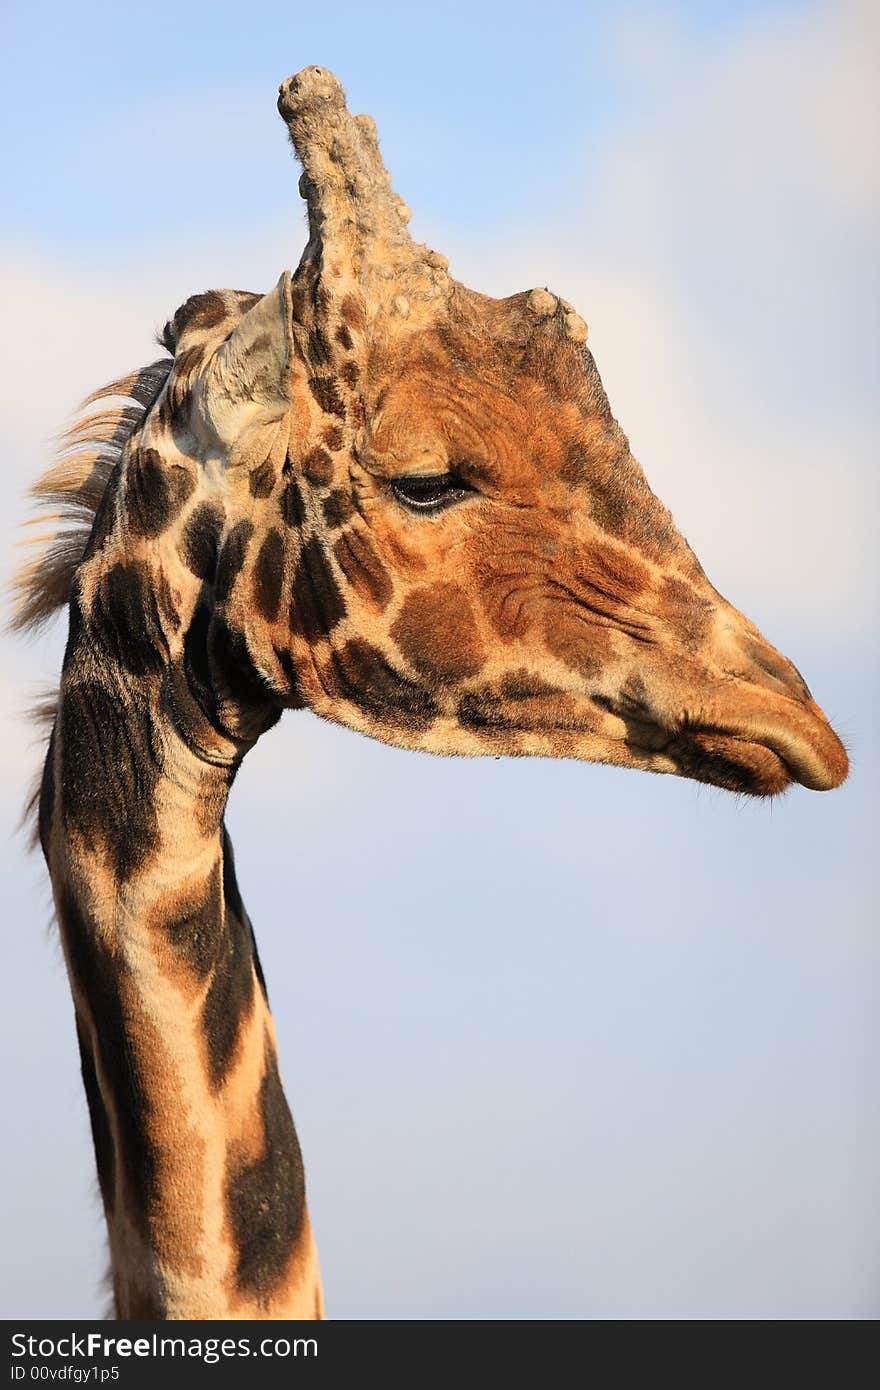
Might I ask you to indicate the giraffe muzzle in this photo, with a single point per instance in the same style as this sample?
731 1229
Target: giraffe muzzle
773 709
751 726
761 742
741 716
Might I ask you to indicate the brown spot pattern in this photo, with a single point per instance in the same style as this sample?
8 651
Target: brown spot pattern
360 674
338 507
363 568
292 506
317 466
262 480
581 646
326 393
352 312
437 633
269 576
316 604
684 612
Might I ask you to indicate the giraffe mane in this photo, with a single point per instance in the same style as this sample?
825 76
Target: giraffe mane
69 493
68 496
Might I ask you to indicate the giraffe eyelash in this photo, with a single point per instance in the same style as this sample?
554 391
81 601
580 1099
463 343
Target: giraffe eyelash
430 493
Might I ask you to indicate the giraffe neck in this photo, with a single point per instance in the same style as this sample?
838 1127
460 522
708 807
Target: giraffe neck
198 1161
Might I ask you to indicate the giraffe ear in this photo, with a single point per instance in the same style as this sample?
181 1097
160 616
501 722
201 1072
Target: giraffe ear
249 379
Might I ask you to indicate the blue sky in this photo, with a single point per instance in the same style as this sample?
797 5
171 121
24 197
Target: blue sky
618 1057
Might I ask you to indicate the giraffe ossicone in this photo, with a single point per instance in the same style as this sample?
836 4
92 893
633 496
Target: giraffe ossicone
404 505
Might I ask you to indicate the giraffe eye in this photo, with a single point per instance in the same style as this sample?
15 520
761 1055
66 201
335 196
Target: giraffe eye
430 492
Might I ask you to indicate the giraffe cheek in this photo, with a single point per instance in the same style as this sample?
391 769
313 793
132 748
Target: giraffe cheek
587 655
437 633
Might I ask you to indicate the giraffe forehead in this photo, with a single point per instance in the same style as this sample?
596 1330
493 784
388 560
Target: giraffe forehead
424 424
433 403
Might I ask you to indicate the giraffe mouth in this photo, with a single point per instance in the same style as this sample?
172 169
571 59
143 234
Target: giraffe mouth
758 754
748 739
736 764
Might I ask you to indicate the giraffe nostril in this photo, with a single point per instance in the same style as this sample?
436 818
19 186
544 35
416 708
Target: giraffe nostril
770 663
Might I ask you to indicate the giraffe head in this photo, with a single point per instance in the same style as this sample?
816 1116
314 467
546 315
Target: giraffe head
408 507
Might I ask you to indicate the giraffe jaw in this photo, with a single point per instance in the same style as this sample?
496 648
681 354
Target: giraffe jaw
747 761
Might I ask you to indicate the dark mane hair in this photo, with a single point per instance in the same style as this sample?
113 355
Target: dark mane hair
68 496
69 493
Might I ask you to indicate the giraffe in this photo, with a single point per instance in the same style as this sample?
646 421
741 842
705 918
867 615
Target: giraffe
403 505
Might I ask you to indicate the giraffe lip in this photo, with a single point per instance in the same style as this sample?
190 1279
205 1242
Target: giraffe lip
792 743
737 764
796 744
705 755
